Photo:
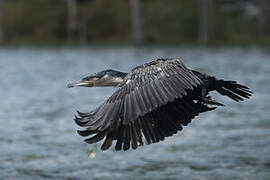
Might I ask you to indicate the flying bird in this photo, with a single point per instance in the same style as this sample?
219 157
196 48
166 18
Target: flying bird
154 101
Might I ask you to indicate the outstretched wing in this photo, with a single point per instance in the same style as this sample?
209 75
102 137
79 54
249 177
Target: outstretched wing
231 89
152 103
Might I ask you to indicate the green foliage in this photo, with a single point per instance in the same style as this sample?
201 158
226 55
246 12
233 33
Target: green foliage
236 28
166 22
107 20
171 21
34 20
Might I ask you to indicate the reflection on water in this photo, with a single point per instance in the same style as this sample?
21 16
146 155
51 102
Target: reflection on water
38 138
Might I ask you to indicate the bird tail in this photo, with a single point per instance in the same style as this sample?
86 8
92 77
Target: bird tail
233 90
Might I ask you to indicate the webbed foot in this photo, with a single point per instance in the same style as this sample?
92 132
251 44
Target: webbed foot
210 101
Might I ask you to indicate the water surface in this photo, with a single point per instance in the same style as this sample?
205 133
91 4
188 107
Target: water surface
38 137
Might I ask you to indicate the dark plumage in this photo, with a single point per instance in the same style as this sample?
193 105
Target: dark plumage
154 101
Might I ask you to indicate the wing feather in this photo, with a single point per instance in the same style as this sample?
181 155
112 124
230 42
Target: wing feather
99 136
135 113
120 138
127 137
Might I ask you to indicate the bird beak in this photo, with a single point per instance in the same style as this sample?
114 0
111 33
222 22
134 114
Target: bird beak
81 83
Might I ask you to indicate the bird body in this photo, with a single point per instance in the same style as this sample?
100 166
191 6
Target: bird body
155 100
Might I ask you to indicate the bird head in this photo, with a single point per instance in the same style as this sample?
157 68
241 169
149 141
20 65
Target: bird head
104 78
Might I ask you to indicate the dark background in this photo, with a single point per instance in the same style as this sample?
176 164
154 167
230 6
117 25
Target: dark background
241 22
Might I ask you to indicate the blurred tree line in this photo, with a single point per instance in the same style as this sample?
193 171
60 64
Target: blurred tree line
139 21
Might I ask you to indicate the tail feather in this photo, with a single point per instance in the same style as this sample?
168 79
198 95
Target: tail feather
233 90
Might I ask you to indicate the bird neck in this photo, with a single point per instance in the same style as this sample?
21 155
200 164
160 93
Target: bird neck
115 78
122 75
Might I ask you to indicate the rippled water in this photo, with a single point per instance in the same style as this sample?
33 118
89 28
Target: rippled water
38 137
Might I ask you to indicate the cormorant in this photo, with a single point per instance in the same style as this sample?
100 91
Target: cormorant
153 101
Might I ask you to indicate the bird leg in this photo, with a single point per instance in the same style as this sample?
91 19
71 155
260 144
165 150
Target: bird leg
210 101
207 99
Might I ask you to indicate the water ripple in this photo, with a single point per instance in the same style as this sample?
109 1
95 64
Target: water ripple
38 137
